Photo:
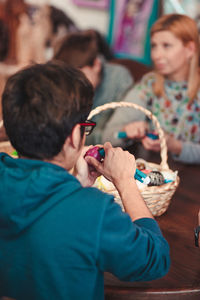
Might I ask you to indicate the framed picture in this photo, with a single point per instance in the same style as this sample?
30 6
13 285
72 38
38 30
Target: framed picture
92 3
129 28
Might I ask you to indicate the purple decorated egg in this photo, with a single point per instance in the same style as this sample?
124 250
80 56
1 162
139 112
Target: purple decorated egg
94 153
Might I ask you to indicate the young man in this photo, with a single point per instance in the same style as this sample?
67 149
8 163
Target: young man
110 81
58 235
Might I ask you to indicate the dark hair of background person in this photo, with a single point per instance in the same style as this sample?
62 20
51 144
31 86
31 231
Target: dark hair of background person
103 46
4 41
42 104
78 49
59 18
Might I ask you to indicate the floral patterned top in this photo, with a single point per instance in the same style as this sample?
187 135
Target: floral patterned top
174 113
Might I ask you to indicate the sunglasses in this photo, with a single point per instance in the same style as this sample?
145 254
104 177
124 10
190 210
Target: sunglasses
88 126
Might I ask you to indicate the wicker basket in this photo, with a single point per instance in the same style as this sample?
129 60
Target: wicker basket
157 198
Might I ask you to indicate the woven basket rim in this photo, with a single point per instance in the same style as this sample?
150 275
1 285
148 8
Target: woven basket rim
148 113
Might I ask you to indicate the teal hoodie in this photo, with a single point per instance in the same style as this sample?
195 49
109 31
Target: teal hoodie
57 238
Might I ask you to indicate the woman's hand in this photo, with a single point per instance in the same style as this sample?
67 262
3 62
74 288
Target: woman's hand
83 171
173 145
136 129
150 144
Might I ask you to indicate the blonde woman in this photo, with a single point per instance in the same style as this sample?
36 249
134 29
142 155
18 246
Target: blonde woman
171 92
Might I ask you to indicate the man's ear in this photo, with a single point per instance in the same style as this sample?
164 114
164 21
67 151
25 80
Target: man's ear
72 147
73 142
75 137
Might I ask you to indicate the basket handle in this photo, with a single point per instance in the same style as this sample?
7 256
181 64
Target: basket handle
163 145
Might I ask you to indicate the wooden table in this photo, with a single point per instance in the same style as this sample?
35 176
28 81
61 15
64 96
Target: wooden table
177 224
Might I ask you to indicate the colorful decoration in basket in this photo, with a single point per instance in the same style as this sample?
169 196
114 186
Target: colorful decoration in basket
156 177
99 154
123 135
143 174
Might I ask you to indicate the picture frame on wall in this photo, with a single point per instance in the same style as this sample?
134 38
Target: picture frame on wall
102 4
129 28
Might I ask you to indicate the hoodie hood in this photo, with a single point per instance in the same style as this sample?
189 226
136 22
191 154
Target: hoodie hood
28 188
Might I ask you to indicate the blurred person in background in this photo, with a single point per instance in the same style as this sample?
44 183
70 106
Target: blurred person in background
171 92
34 32
110 81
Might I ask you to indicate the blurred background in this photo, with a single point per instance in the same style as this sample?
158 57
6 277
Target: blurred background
125 24
33 30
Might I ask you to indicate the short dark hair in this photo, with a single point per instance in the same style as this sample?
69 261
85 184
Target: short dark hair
79 49
41 105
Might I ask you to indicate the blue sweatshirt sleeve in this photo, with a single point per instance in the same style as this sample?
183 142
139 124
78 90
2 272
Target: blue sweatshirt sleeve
132 251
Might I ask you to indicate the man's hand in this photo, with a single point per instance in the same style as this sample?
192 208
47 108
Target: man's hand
117 166
83 171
